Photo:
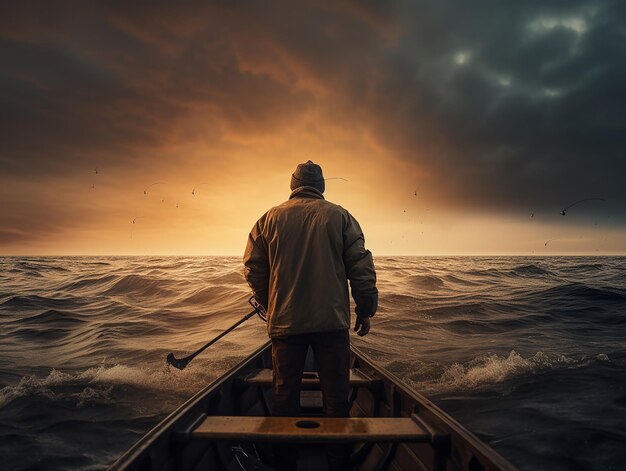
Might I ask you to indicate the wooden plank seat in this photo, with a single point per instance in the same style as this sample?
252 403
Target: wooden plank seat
312 430
263 377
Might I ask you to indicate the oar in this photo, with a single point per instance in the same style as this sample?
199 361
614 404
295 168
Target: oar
181 363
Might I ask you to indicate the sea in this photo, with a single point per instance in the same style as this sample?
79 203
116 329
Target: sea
529 353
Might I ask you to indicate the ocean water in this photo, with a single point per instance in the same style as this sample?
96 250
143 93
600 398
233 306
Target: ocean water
528 353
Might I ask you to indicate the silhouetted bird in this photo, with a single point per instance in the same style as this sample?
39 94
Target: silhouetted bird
193 192
580 201
145 192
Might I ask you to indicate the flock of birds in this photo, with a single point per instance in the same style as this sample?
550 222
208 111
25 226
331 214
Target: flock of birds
562 212
195 190
146 190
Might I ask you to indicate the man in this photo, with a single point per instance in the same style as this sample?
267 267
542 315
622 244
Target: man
298 260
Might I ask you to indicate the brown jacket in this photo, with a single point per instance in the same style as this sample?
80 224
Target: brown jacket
299 258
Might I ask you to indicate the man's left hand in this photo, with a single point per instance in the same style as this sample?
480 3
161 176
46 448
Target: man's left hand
362 326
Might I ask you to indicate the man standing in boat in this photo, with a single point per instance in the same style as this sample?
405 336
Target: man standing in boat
298 261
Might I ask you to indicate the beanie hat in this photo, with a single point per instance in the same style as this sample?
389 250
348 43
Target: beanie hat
308 174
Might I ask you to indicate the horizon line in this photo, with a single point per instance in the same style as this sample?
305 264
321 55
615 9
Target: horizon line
605 254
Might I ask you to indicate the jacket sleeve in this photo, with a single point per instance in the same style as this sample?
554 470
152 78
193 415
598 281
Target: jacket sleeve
359 268
256 264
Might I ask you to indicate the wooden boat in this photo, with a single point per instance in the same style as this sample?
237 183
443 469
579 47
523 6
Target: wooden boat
227 426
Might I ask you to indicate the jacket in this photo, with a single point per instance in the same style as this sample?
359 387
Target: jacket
298 260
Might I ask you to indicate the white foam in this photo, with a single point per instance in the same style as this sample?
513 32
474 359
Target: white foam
99 381
492 369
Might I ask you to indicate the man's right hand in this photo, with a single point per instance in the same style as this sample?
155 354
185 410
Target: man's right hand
362 326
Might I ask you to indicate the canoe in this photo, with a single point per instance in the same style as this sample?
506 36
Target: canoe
227 426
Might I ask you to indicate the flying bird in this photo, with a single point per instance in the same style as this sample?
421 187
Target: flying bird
96 170
145 192
532 215
548 241
580 201
193 192
138 217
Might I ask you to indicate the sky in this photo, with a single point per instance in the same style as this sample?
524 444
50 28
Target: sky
454 127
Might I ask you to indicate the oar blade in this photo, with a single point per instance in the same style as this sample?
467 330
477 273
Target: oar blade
175 362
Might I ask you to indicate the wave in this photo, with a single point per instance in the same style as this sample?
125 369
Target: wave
35 301
52 316
96 384
427 282
459 280
39 266
488 370
581 291
139 285
88 282
529 270
232 278
222 295
42 335
587 267
463 326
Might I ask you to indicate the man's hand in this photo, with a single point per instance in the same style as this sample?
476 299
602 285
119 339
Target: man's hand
362 326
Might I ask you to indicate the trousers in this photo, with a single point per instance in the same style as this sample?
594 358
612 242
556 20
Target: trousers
332 355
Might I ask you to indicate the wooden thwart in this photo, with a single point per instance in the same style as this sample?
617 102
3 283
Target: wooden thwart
318 429
263 377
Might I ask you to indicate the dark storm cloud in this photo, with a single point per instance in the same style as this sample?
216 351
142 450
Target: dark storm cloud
507 106
516 106
82 82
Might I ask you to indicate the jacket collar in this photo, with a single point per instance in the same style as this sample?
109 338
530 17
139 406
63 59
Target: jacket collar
306 192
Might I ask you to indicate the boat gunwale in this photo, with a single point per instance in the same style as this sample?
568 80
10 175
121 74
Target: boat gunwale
439 414
144 443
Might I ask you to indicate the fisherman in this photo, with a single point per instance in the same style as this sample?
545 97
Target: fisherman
298 261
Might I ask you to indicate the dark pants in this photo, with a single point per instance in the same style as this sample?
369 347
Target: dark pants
332 355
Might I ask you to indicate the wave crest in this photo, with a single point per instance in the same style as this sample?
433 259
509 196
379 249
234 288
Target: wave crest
529 270
491 369
138 285
427 282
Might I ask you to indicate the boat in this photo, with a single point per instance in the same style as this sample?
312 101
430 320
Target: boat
228 426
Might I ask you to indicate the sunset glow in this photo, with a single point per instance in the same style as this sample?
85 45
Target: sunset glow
447 146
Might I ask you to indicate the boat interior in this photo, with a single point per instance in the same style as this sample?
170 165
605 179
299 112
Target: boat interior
228 426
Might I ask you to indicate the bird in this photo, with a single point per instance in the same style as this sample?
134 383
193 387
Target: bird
532 215
145 192
193 192
580 201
